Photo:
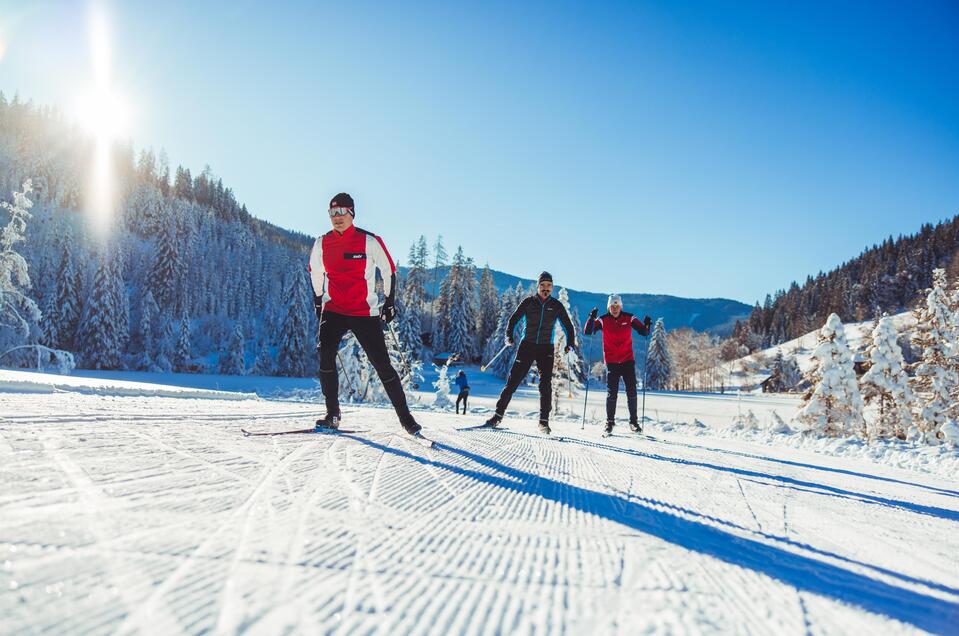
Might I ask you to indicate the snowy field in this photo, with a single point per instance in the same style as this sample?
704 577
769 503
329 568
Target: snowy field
134 511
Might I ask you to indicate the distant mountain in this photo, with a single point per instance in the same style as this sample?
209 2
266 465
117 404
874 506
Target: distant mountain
716 315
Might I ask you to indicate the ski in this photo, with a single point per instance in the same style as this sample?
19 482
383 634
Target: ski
479 427
247 433
417 438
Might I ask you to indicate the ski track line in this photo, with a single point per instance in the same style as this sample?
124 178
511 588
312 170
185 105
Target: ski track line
142 618
759 526
92 498
361 560
193 457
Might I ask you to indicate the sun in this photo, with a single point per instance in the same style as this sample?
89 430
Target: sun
104 114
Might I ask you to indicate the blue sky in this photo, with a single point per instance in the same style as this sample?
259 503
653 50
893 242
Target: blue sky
697 148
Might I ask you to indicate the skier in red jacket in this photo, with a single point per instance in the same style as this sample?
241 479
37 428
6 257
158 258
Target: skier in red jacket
617 327
343 267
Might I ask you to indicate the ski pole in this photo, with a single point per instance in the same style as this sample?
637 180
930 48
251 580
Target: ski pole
498 354
645 376
589 360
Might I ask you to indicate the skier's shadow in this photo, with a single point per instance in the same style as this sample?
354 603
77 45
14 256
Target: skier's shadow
804 573
829 469
786 482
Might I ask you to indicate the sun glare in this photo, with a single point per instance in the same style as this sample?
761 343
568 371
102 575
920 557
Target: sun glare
105 115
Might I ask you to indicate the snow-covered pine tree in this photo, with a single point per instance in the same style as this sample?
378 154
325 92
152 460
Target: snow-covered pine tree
67 306
234 360
885 386
19 314
833 406
409 325
167 264
567 368
263 365
658 361
935 382
488 308
165 347
182 352
509 301
293 348
785 374
100 333
145 339
460 308
440 260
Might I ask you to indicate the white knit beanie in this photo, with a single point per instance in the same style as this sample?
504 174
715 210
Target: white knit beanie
614 299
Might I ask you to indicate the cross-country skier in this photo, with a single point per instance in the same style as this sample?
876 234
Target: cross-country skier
464 391
539 314
343 267
617 327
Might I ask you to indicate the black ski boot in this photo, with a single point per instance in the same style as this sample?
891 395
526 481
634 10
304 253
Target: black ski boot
494 421
544 427
329 421
635 427
409 425
609 427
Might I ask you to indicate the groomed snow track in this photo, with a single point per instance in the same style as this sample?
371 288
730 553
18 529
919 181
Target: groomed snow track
155 515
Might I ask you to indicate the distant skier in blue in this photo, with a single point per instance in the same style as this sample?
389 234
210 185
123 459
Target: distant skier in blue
464 393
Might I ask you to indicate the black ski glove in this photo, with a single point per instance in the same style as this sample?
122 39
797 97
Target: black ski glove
387 312
647 321
592 314
318 306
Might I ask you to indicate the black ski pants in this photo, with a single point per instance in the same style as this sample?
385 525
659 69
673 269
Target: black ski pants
369 333
626 371
462 397
542 355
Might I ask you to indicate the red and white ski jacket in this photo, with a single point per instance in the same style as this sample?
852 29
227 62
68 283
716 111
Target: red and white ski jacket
343 270
617 335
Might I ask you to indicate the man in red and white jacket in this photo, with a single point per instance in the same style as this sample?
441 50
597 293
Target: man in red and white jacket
617 327
343 266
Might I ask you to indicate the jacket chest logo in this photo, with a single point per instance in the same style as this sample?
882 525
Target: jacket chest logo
354 256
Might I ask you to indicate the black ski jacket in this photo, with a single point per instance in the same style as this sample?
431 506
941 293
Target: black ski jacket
539 318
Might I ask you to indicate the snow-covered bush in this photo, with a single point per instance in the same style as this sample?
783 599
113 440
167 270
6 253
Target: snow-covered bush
19 314
442 386
833 406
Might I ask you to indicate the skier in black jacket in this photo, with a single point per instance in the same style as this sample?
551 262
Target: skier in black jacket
539 314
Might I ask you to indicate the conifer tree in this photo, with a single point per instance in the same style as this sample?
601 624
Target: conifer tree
293 350
488 308
658 361
935 380
234 361
100 334
182 355
885 386
833 406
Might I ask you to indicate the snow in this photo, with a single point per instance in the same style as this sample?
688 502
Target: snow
746 373
12 381
125 511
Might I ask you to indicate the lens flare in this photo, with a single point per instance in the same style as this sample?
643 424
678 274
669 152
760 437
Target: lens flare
105 116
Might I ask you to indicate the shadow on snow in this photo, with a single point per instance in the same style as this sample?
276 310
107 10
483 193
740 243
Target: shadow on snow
807 574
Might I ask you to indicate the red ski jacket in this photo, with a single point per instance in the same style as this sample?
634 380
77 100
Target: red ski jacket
343 270
617 335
